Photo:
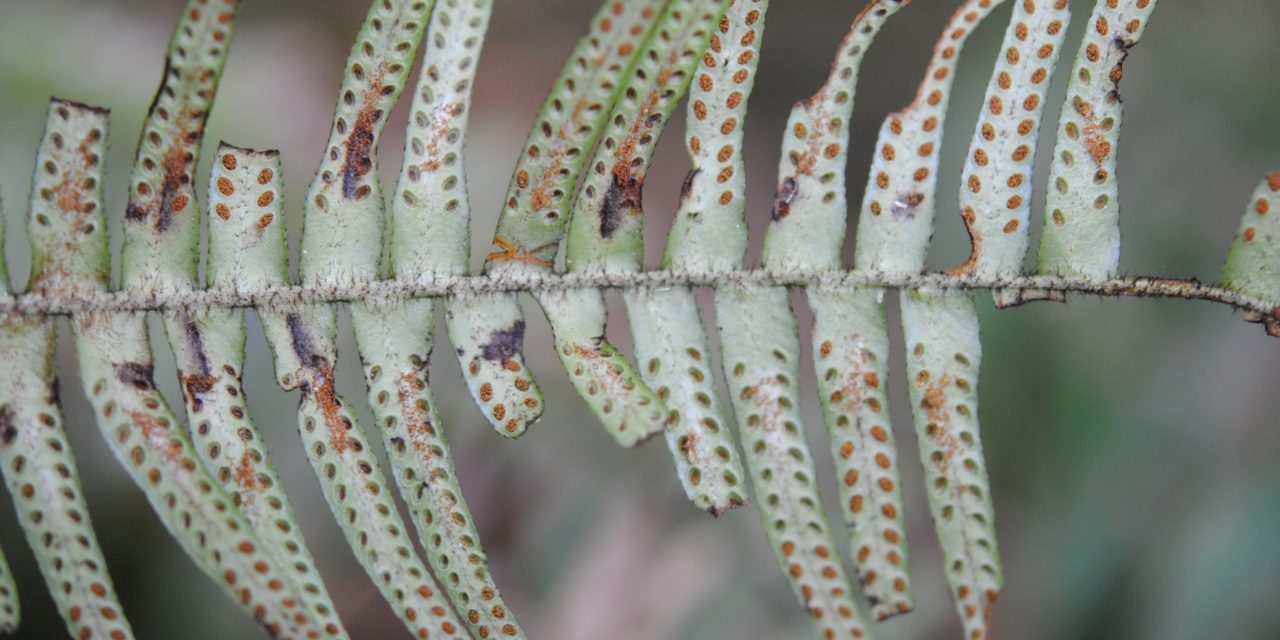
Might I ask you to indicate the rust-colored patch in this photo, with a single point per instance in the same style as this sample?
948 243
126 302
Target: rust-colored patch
418 425
1273 181
940 421
542 197
360 142
783 198
157 437
177 161
195 386
439 131
247 477
321 391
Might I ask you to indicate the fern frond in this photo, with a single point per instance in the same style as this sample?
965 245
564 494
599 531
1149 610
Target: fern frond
1253 264
214 363
898 205
302 340
806 230
343 213
943 356
761 358
709 233
605 232
116 368
429 236
162 221
35 454
488 331
996 189
1081 235
162 242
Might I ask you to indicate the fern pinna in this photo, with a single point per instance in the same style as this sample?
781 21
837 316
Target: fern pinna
578 180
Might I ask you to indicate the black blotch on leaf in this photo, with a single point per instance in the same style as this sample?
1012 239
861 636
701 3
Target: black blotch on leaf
136 375
623 197
782 200
504 344
7 430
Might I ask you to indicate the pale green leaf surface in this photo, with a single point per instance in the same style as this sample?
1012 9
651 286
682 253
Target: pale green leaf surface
943 358
807 222
709 233
343 220
851 362
899 202
487 331
1253 264
162 221
996 183
429 236
65 223
245 187
761 357
1081 235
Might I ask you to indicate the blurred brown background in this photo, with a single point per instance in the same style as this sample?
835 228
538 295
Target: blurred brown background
1134 446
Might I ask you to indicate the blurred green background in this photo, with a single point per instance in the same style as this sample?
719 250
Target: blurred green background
1134 446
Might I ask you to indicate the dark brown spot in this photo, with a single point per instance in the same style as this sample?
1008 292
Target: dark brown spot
136 375
301 342
623 197
687 186
7 430
504 344
905 204
783 199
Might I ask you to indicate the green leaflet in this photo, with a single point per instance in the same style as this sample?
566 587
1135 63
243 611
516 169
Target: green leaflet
605 231
344 208
342 243
35 455
395 344
162 231
248 247
761 357
709 233
162 222
806 230
943 356
116 370
996 184
547 172
628 409
899 202
488 331
673 355
1253 264
1081 234
807 223
430 214
851 363
210 354
428 237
